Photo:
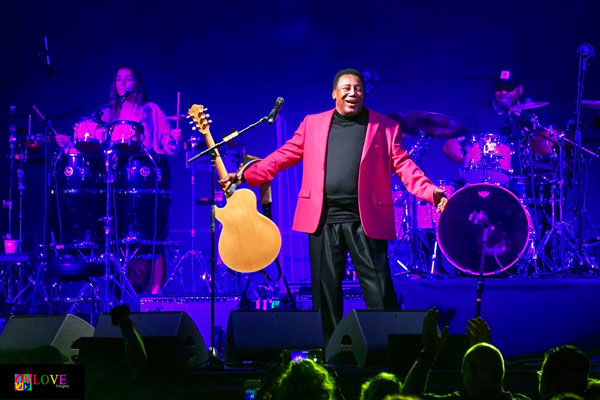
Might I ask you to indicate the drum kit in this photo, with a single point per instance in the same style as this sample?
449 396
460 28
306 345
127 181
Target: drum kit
496 222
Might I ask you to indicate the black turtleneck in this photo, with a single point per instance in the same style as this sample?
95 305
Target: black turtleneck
344 149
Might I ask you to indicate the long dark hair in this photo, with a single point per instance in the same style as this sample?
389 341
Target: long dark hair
138 94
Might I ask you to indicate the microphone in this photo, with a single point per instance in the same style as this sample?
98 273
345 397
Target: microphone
586 50
124 97
275 110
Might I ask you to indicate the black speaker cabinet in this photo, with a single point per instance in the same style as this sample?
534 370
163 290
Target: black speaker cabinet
361 337
262 335
26 332
170 338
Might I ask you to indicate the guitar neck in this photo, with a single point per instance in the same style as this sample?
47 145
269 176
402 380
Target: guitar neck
221 170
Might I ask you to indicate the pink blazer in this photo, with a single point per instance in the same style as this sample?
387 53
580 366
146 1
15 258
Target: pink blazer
382 153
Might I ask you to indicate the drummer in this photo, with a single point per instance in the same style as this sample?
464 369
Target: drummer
495 116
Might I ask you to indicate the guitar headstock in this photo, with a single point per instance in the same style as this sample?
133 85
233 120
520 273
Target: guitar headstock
200 118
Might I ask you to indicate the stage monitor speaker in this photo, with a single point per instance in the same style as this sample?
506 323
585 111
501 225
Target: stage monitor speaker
361 337
198 308
170 338
26 332
262 335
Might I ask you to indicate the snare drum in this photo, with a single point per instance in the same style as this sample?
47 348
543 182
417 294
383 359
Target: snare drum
89 134
80 194
126 135
481 209
487 158
142 197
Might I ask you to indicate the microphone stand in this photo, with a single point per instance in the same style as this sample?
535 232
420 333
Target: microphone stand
214 361
480 278
582 260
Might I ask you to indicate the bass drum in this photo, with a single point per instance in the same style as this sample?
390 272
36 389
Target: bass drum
79 190
481 209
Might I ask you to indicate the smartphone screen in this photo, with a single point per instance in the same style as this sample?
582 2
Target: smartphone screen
298 355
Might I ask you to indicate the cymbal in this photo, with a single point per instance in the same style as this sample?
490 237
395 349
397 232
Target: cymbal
528 106
593 104
432 124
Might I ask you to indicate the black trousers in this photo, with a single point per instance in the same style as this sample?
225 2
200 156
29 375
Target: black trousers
328 247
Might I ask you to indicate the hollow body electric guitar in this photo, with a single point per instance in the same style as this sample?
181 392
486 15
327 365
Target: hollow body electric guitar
249 241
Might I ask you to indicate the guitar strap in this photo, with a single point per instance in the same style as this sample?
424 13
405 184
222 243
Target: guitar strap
265 188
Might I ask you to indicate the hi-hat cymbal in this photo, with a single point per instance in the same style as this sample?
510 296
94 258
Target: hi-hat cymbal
528 106
432 124
593 104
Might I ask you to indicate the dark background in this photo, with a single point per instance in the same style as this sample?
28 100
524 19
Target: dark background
236 57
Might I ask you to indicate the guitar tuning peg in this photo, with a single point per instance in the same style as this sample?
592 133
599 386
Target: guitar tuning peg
191 122
205 108
193 128
188 116
210 121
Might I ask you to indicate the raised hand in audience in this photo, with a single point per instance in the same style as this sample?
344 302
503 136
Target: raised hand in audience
478 331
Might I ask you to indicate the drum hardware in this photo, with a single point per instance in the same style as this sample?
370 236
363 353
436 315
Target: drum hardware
21 281
177 272
416 219
118 280
581 261
561 235
198 265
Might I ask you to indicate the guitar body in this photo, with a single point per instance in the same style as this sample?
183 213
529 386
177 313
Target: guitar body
249 241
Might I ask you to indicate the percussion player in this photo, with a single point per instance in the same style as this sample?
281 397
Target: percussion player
130 104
